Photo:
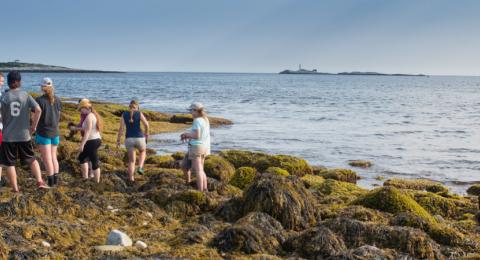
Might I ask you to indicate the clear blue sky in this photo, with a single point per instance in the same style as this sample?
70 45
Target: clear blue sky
404 36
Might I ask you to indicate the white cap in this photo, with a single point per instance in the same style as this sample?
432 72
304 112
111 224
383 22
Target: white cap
196 106
46 82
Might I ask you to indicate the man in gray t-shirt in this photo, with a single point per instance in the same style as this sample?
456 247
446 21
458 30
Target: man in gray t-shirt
16 107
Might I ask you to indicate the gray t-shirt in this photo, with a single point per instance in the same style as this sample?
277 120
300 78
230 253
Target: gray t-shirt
50 118
16 106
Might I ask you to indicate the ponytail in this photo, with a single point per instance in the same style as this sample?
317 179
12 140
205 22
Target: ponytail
133 106
49 92
99 120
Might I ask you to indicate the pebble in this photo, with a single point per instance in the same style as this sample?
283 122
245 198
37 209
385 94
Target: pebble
140 245
150 215
45 244
109 207
109 248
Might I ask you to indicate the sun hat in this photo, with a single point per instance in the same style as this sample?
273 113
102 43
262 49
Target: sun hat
196 106
47 82
84 103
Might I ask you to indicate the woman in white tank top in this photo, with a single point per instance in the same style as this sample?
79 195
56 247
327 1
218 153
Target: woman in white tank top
91 141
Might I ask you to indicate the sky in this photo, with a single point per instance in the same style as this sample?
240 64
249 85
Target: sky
435 37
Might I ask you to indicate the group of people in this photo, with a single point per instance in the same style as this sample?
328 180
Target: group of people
22 117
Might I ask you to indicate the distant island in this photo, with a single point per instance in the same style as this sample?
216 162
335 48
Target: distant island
36 67
354 73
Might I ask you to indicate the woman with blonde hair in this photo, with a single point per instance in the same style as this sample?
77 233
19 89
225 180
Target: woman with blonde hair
91 140
198 146
48 132
134 137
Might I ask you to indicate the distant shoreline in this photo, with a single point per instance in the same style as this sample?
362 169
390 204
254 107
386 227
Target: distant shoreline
42 68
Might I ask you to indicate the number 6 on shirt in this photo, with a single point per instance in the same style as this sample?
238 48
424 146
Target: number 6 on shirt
15 108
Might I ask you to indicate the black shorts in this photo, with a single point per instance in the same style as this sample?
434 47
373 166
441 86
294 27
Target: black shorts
10 150
89 153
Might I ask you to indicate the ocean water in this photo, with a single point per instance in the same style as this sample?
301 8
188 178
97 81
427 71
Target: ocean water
408 127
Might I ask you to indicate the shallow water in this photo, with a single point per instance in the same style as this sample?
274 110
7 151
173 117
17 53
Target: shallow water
407 126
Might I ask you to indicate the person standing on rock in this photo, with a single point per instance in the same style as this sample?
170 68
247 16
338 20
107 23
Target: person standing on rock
16 107
48 132
2 80
134 137
198 146
91 140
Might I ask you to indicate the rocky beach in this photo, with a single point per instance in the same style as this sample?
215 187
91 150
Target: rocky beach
259 206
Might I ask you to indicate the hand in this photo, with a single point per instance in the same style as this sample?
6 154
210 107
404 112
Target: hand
118 143
33 130
146 138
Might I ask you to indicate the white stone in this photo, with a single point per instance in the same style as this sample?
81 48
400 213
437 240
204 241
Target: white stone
109 207
115 210
118 238
140 244
45 244
150 215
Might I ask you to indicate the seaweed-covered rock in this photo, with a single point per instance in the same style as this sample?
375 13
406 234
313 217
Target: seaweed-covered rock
262 161
312 181
390 199
408 219
186 203
416 184
285 199
162 161
181 118
218 168
243 177
474 190
368 252
277 170
445 207
255 233
361 213
316 243
338 192
360 163
404 239
4 249
345 175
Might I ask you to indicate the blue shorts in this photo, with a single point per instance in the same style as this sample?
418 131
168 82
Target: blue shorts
45 140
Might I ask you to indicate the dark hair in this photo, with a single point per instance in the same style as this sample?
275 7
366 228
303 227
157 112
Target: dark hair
13 77
133 106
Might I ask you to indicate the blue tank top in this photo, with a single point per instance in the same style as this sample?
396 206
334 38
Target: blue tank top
133 128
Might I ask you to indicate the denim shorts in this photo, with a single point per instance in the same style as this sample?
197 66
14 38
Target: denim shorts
45 140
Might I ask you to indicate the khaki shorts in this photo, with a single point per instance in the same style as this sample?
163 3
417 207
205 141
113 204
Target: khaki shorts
194 151
138 143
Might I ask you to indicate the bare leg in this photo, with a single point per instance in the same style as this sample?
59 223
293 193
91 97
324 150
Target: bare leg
84 168
141 158
46 152
204 175
196 167
56 167
96 173
12 176
131 164
35 168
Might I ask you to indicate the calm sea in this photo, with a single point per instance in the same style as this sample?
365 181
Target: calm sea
407 126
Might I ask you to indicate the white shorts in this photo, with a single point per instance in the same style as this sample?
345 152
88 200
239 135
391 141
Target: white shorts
138 143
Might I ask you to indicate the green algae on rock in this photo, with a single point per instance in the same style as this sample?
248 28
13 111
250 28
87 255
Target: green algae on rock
360 163
416 184
392 200
345 175
218 168
277 170
312 181
262 161
243 177
474 190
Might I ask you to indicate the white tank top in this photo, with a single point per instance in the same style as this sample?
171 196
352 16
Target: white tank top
94 134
